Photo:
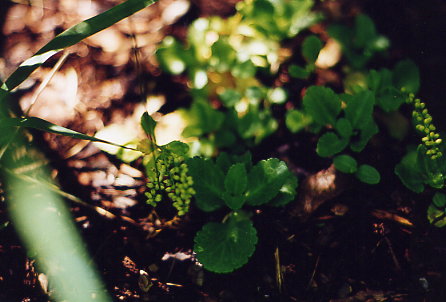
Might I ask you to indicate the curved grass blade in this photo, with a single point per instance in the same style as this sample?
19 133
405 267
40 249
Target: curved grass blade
47 229
74 35
40 124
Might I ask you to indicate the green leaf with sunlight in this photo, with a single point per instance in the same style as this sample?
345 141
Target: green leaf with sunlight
177 147
287 192
436 213
265 180
148 124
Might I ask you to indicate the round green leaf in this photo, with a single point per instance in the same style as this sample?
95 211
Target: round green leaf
329 144
368 175
344 128
439 200
265 180
224 247
345 163
311 48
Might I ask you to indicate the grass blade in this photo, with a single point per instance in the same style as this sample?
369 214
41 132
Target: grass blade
40 124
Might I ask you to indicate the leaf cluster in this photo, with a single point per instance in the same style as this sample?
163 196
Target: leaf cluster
233 182
359 42
418 169
346 121
221 58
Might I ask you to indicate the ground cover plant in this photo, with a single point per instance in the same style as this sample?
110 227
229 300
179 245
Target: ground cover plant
306 165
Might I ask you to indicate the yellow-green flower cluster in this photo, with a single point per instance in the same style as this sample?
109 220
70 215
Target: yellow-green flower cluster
423 123
172 183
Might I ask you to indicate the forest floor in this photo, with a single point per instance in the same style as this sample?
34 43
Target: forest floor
354 247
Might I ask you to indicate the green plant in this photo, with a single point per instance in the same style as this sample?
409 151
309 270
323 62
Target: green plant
425 164
233 182
221 58
347 121
436 212
166 169
311 47
393 88
360 42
